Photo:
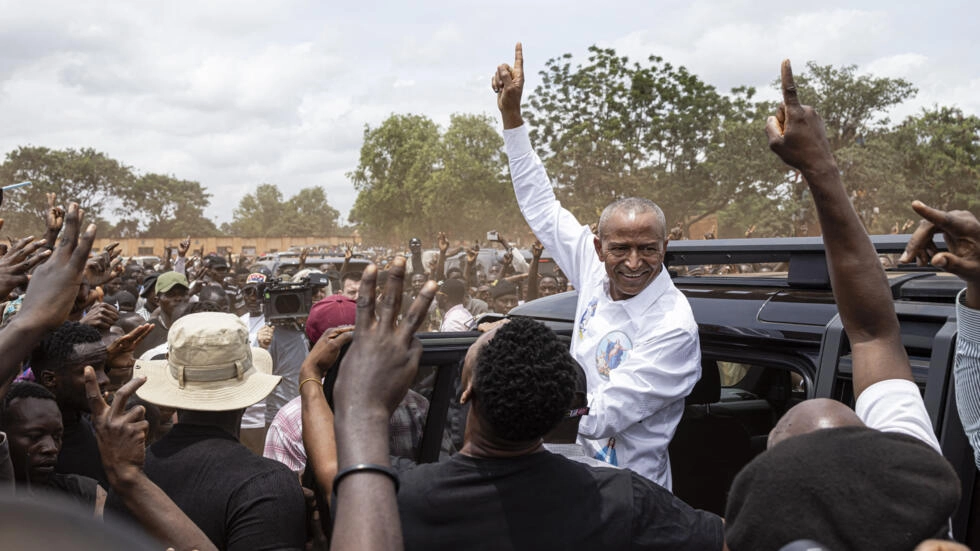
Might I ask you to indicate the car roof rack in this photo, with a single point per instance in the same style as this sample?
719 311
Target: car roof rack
805 255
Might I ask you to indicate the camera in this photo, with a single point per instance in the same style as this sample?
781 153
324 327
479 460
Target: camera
285 302
492 236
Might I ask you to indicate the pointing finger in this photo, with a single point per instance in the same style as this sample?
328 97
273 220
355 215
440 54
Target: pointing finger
790 97
519 58
936 216
96 403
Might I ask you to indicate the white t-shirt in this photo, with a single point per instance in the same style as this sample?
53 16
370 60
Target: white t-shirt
896 405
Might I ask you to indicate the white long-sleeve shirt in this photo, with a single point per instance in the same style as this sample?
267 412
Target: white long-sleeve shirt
641 355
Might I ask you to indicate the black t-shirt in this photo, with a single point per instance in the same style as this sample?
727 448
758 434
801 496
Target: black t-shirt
80 452
82 489
545 501
240 500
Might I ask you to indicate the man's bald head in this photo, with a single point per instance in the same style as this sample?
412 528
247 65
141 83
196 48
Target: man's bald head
813 415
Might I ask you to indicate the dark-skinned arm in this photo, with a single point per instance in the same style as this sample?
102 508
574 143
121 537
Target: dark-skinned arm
374 377
861 289
121 437
440 271
51 294
318 420
532 272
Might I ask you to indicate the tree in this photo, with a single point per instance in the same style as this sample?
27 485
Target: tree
940 155
396 165
266 214
470 192
610 128
83 175
156 205
853 109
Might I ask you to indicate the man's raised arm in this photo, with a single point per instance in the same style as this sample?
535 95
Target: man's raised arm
796 133
569 241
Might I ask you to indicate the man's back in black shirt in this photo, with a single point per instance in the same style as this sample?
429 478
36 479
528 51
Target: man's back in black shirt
545 501
240 500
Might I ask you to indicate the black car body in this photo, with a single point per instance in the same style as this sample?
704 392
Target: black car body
769 339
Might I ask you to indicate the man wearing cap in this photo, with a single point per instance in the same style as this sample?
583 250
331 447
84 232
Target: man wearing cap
503 296
148 302
171 292
241 501
451 295
635 333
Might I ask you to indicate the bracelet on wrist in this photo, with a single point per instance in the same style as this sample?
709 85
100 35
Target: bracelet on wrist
366 467
306 380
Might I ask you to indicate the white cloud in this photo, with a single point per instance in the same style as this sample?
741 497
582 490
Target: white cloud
234 93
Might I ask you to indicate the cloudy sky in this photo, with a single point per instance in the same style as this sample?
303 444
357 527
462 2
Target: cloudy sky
234 93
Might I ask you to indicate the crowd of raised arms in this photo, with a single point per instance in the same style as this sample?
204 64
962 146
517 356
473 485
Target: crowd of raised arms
156 407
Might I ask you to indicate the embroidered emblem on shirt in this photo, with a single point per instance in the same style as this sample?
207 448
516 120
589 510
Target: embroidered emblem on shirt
608 453
587 316
612 350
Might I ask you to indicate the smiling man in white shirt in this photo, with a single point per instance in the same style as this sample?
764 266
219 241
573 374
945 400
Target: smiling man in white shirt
634 335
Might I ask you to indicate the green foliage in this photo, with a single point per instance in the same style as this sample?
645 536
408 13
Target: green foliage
415 181
156 205
265 214
611 128
83 175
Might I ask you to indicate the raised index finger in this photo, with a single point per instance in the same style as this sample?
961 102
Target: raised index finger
93 394
790 97
940 218
519 58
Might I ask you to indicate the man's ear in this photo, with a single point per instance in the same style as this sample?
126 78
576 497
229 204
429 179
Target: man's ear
598 247
46 378
465 396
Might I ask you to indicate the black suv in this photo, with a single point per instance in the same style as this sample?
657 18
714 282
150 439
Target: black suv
770 338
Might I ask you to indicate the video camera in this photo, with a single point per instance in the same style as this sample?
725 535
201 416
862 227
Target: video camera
285 302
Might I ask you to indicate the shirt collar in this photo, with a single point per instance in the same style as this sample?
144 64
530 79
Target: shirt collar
636 306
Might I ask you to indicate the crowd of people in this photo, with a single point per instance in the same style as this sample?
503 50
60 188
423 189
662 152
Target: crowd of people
161 408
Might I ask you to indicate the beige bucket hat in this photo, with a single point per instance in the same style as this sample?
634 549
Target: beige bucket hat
210 366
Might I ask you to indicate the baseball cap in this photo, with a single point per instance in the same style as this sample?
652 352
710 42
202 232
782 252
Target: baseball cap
168 280
333 311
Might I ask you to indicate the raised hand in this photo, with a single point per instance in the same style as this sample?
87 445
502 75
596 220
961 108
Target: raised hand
796 133
537 249
326 351
508 83
55 217
383 359
55 283
17 262
121 434
348 251
961 231
183 247
471 254
127 342
443 242
102 316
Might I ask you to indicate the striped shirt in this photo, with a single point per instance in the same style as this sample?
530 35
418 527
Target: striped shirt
967 372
